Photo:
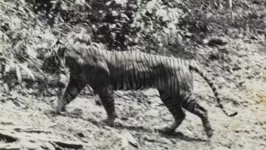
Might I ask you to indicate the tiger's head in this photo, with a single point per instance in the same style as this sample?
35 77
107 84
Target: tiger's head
54 61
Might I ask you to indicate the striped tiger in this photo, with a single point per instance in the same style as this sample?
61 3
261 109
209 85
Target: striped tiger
106 71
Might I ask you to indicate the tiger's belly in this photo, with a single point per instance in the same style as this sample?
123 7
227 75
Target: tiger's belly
126 83
174 84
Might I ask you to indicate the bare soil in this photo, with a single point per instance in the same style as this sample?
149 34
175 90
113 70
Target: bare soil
238 67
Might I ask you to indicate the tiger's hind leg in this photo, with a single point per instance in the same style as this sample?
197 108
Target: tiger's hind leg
192 106
175 109
107 98
179 116
71 92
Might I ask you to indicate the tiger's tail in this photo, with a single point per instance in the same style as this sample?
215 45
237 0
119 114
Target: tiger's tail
194 66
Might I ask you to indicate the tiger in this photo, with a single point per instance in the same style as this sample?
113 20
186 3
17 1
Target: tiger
107 71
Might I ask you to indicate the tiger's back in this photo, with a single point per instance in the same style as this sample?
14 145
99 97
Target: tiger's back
135 70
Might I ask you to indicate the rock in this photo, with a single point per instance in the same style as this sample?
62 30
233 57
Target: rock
215 41
29 145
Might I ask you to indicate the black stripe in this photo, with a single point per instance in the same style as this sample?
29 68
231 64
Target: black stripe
137 71
161 74
137 74
183 77
120 57
188 104
164 72
157 70
138 80
116 75
140 69
130 79
174 79
121 82
142 75
188 72
150 69
115 66
153 69
69 96
170 86
147 74
126 80
134 70
147 71
178 82
126 75
131 71
168 71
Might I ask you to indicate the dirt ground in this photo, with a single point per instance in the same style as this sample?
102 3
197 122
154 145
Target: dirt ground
238 68
25 123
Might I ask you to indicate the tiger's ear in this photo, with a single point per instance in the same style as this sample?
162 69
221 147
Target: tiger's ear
61 51
59 48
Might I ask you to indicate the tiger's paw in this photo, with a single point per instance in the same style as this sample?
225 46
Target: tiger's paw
110 122
50 112
209 132
168 130
60 109
55 111
208 129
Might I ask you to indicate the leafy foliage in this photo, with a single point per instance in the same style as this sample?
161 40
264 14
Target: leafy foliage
29 27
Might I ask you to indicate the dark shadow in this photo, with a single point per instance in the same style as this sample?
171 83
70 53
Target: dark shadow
181 136
172 135
133 128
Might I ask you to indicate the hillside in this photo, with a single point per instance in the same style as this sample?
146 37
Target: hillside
227 38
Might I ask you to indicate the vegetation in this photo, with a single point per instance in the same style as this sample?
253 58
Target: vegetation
28 27
215 32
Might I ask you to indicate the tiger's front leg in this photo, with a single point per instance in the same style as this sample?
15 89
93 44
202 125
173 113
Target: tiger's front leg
72 90
107 98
